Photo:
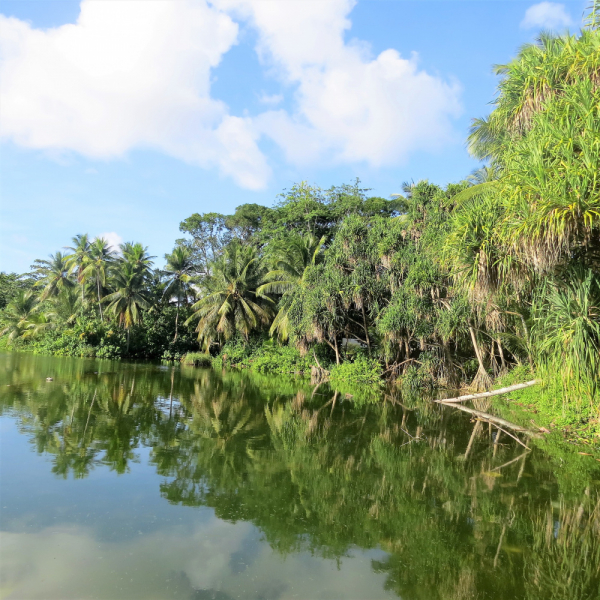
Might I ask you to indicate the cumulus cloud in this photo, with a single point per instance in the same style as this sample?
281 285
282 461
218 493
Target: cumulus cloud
127 74
546 15
351 106
113 239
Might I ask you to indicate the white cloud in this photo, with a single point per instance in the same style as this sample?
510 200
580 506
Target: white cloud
546 15
351 107
114 240
132 74
271 99
128 74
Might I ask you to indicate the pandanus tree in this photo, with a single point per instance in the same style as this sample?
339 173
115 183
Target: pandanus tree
130 296
231 302
101 257
54 275
290 261
178 270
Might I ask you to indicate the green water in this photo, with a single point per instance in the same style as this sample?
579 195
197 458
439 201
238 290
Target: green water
145 481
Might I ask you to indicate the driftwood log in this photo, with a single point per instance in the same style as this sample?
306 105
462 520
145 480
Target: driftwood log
497 421
505 390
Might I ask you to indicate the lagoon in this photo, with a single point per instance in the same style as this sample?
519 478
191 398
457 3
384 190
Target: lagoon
137 480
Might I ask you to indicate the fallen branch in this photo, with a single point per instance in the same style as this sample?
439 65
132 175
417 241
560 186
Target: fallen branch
497 421
505 390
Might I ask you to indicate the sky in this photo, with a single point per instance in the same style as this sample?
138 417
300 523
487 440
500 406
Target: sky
120 118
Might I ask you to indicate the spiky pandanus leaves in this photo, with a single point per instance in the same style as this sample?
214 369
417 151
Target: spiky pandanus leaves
541 72
231 303
551 186
567 332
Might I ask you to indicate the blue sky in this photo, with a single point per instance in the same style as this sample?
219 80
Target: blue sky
123 118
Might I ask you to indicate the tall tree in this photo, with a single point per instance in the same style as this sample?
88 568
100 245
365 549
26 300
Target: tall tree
290 259
78 259
100 259
130 295
54 275
178 271
231 303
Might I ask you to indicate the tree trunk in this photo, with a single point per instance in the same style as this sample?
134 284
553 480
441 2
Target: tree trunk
176 320
100 302
128 331
337 353
482 379
503 368
367 339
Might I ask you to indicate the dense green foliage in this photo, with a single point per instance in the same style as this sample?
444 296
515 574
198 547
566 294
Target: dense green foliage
443 285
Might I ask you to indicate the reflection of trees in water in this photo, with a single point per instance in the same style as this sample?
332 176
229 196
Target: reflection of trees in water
458 515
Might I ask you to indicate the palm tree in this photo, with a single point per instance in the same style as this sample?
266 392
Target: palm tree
178 269
64 306
137 255
79 258
290 261
129 297
100 258
232 303
55 275
21 317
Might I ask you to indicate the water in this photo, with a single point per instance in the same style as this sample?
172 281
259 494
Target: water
124 481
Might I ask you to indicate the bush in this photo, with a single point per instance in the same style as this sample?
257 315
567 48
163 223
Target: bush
263 355
197 359
363 371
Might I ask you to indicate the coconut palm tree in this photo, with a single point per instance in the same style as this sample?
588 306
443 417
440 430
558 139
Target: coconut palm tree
137 255
290 260
21 318
231 303
101 257
178 270
54 275
78 259
130 296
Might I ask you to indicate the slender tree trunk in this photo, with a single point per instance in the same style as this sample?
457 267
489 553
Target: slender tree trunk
366 329
337 353
502 360
482 379
476 348
128 331
100 302
176 320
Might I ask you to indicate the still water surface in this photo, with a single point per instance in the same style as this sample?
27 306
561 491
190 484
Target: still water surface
122 481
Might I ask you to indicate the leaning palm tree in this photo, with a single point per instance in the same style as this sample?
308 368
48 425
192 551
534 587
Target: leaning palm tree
290 261
54 275
231 303
100 259
129 298
178 270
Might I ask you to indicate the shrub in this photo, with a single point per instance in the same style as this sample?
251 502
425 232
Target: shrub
197 359
363 371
